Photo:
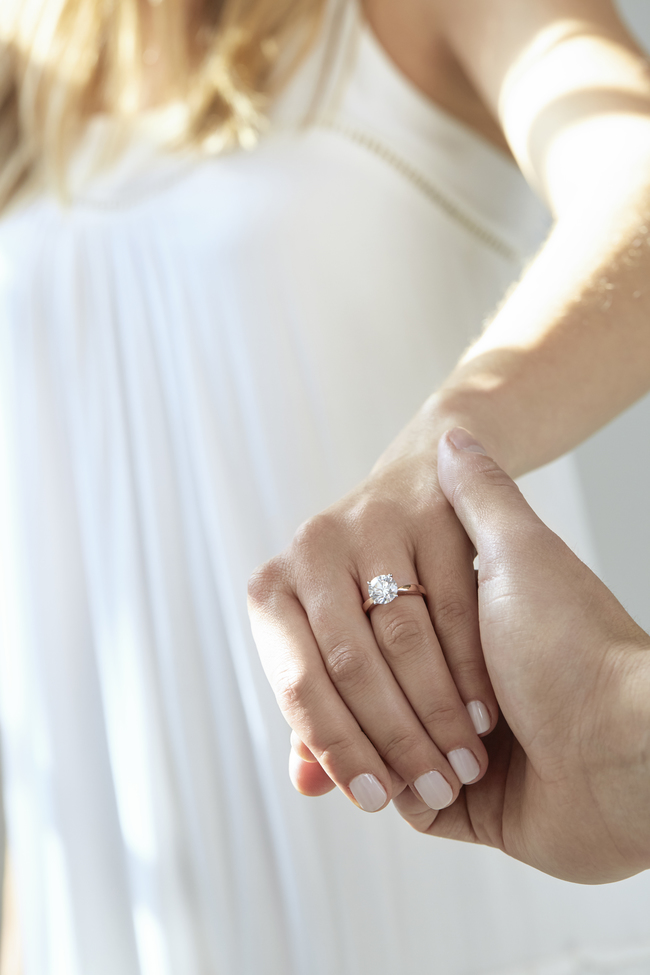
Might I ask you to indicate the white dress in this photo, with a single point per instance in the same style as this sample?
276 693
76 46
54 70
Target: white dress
192 354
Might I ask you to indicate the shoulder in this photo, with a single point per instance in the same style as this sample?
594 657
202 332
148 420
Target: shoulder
564 77
491 37
412 34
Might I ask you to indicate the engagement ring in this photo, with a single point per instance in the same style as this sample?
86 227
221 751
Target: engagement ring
384 589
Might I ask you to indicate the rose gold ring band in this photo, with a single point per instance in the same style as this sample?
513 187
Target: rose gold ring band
409 589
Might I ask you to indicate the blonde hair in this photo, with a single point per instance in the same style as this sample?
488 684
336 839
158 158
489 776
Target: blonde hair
61 61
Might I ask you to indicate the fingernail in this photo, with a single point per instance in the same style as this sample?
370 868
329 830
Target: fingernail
464 764
465 441
369 792
434 789
480 716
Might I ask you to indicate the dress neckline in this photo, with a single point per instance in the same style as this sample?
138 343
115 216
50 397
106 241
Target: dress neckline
364 90
379 102
421 107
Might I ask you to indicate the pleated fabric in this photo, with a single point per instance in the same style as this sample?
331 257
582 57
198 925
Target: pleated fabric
197 354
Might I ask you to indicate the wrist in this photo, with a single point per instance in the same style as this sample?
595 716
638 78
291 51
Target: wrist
444 410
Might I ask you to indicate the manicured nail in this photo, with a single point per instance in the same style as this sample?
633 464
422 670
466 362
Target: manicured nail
480 717
369 792
464 764
465 441
434 789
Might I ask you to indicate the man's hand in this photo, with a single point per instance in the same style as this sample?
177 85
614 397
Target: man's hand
568 785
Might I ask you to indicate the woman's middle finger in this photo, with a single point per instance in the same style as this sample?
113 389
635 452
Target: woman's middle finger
367 685
405 634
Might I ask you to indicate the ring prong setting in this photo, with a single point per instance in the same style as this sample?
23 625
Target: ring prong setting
382 589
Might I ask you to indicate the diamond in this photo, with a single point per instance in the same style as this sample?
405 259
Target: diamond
382 589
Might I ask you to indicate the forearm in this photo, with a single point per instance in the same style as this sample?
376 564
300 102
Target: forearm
568 350
570 347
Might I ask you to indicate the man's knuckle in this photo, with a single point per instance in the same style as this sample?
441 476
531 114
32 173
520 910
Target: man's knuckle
421 822
498 478
415 812
490 476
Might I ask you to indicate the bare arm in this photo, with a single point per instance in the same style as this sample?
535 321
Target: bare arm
570 348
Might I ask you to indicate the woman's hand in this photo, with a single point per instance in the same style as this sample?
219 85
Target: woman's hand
568 787
399 696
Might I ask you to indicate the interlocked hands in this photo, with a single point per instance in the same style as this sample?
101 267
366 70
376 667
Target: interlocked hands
568 783
399 696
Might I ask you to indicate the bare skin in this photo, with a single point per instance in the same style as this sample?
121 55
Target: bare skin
411 34
567 351
568 786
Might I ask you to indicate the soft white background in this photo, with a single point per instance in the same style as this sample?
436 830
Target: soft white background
615 466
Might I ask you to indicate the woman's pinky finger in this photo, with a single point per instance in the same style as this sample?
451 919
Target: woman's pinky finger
311 704
301 749
308 778
316 782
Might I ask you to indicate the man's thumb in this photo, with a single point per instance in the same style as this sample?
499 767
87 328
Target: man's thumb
486 500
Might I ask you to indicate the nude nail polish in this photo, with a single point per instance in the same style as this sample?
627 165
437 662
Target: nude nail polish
434 789
464 764
480 717
368 791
